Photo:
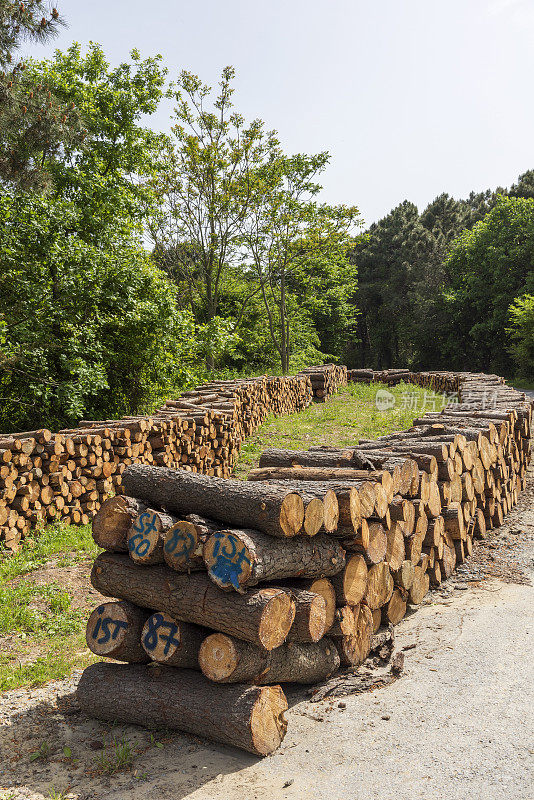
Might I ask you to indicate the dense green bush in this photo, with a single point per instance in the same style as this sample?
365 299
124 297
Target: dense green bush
87 330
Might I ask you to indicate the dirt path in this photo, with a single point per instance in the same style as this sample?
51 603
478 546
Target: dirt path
456 725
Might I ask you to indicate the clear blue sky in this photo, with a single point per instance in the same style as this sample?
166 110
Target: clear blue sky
411 97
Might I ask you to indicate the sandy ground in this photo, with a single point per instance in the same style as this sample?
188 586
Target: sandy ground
457 725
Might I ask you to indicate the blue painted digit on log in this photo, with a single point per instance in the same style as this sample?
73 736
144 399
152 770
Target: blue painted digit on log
228 563
105 625
169 638
150 639
187 541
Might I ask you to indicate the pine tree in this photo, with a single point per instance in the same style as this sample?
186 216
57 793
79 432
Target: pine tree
33 123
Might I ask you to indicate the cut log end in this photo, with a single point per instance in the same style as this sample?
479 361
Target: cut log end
114 631
324 588
218 657
310 618
144 538
314 517
277 618
181 546
113 521
292 514
268 722
251 717
330 511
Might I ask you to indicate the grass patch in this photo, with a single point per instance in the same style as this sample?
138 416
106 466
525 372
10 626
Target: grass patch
59 661
350 415
521 383
120 757
72 542
27 608
42 626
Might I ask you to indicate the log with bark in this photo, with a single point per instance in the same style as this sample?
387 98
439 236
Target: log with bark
351 583
310 620
169 641
319 586
348 458
146 536
379 586
262 616
183 543
112 523
224 659
251 718
271 509
114 631
395 609
238 559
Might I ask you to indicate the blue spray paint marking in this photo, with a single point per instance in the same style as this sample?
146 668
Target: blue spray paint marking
156 624
228 564
150 638
104 624
144 524
138 544
187 542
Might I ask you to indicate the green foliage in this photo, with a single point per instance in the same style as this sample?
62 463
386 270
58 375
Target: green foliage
390 260
35 124
45 629
434 288
90 327
104 177
62 655
522 334
71 542
88 330
297 246
120 757
204 184
240 233
488 267
42 753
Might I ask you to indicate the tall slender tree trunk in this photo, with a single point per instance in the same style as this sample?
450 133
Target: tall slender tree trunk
284 325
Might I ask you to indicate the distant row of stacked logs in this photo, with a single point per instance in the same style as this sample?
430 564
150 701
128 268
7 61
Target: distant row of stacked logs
443 382
326 380
65 476
226 589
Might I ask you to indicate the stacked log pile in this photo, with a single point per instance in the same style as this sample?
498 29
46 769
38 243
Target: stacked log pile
326 379
446 382
223 590
34 467
214 603
46 477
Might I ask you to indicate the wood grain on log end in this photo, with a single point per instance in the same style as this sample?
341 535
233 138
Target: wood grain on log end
112 522
351 583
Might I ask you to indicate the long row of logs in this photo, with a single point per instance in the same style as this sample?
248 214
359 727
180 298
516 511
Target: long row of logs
225 589
443 382
46 477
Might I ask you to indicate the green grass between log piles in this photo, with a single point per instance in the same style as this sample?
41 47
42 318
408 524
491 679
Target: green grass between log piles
348 416
45 595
